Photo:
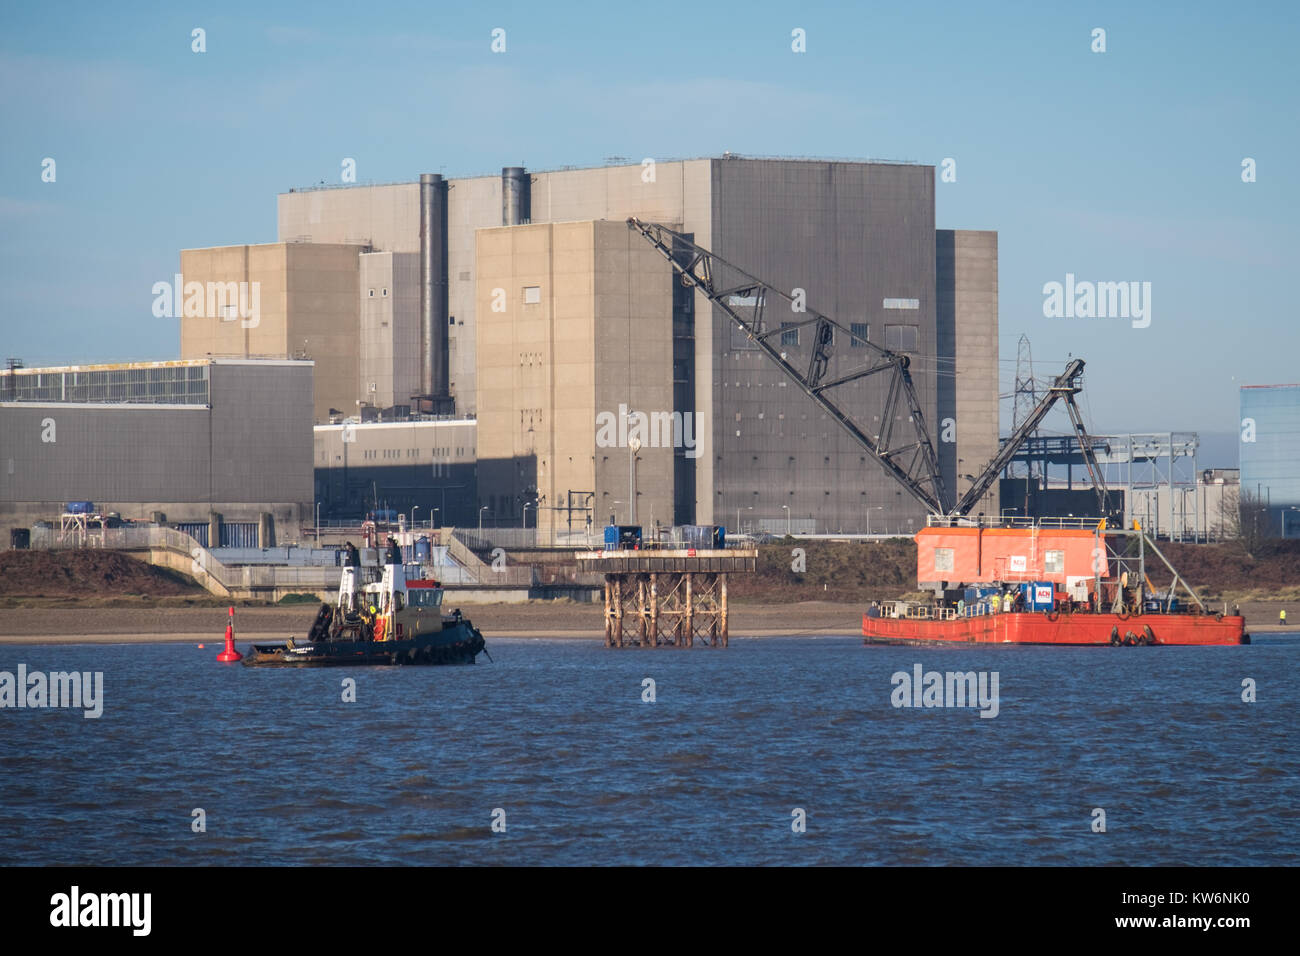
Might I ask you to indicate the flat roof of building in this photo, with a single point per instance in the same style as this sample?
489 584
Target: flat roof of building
173 363
400 424
278 242
847 161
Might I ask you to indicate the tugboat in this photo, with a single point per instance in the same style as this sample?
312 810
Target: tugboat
379 617
1055 581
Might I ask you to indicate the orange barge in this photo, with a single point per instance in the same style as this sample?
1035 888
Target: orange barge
1074 582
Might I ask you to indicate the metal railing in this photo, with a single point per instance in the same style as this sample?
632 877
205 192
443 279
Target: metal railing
527 538
916 612
260 578
1068 521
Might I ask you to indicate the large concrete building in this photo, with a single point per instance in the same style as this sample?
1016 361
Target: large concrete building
1270 454
186 438
296 300
574 328
426 469
858 238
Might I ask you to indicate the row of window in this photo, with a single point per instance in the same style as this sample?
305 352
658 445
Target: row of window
390 454
174 384
898 338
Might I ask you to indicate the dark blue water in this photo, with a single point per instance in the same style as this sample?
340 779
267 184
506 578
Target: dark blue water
555 733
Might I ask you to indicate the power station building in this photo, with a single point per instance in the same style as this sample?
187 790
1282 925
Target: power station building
1270 454
524 303
187 438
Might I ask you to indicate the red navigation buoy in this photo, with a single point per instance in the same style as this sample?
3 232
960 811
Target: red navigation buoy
230 655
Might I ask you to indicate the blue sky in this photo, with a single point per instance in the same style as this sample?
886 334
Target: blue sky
1115 166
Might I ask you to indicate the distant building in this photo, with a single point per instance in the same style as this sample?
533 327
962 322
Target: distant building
425 328
1270 453
582 338
185 438
277 300
429 466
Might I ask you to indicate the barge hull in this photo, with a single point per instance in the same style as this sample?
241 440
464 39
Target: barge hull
1063 630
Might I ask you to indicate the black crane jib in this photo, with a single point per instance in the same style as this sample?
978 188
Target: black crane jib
911 460
913 463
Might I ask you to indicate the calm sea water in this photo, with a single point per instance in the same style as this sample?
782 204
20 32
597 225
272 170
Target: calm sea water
555 734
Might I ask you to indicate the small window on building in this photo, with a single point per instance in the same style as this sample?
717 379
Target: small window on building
943 559
900 338
385 292
789 335
1053 562
532 294
859 337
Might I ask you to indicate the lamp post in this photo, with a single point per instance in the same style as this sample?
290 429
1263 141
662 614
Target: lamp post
747 508
318 524
527 505
871 508
414 509
480 521
787 520
432 512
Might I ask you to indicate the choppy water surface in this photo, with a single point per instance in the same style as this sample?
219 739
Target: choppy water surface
556 734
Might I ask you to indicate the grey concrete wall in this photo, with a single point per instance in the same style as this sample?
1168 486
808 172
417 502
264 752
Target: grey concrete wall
247 453
308 298
323 325
677 192
967 283
431 464
262 431
389 350
387 217
851 235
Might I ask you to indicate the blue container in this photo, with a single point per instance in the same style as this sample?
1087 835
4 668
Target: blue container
422 549
976 594
1039 595
622 537
81 507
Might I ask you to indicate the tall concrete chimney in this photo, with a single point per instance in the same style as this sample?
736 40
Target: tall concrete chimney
434 375
516 196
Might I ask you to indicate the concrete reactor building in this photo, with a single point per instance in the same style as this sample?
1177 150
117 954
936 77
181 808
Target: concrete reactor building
190 439
521 310
1270 453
